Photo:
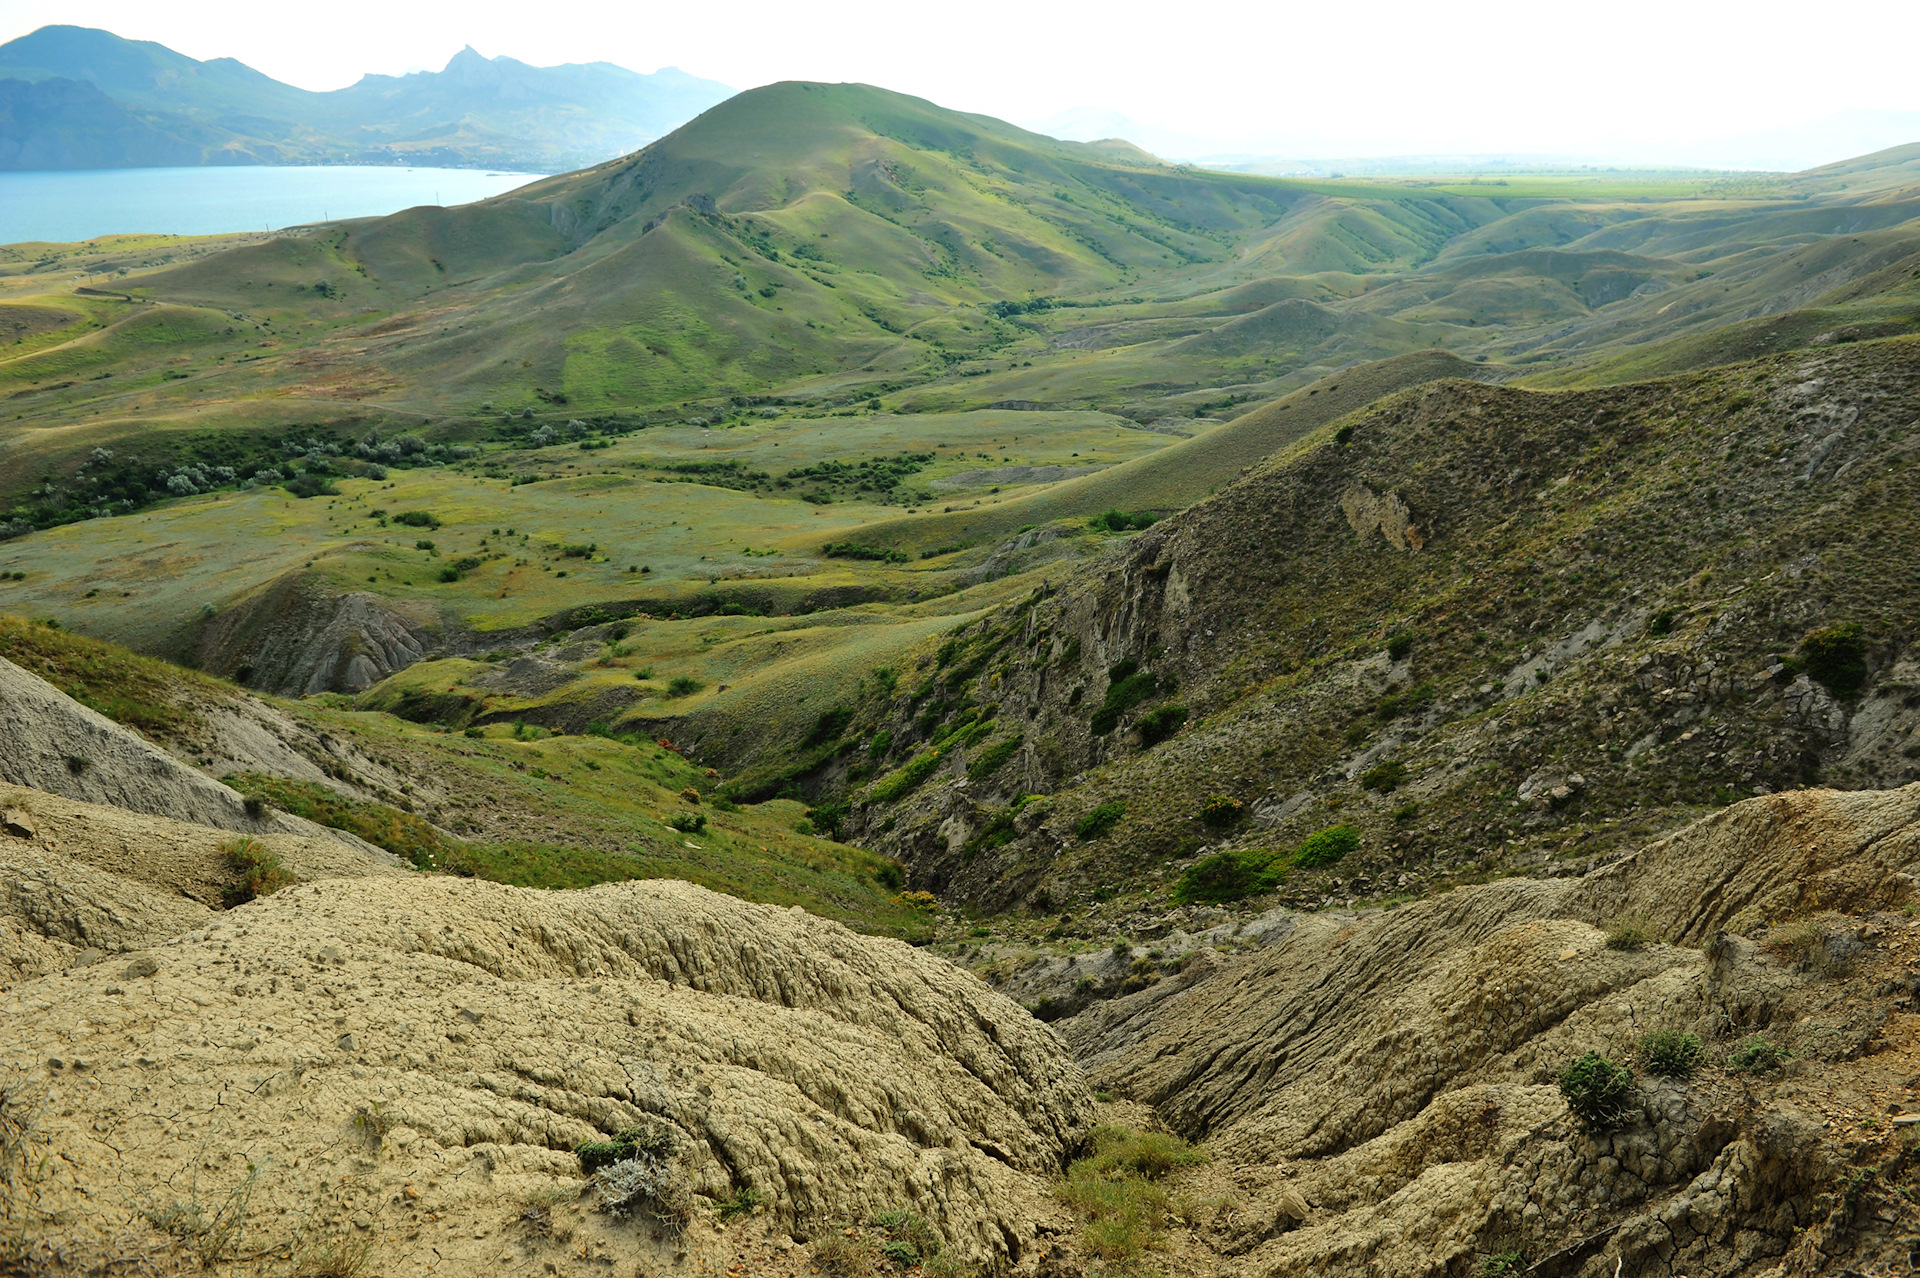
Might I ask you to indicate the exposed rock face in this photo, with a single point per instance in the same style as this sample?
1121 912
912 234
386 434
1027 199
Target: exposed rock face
1394 1070
1368 512
51 742
481 1032
296 636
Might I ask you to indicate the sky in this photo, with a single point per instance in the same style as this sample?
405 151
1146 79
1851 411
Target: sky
1659 80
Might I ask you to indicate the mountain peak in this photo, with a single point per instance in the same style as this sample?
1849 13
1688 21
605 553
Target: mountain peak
468 59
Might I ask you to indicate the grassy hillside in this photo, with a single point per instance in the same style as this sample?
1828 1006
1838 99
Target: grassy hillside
524 806
829 359
1490 630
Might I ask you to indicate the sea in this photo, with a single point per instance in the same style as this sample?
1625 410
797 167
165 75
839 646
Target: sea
66 206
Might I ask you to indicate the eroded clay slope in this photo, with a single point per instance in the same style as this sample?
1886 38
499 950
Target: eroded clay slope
50 742
440 1046
1385 1081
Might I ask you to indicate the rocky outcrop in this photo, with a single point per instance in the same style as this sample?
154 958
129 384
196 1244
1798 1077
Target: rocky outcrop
51 742
297 635
444 1044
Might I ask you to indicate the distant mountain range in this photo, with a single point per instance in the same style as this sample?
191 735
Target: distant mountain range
80 98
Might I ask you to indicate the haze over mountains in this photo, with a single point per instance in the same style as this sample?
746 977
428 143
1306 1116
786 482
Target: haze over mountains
79 98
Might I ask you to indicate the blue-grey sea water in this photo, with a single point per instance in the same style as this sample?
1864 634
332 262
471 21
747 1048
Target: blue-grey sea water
78 205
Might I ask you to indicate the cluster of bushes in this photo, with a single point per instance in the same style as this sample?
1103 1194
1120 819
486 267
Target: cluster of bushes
1602 1095
1127 687
1243 872
882 475
854 550
1121 521
1007 310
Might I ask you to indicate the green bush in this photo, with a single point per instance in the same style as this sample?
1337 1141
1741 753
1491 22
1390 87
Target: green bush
826 817
1222 811
854 550
882 743
1229 876
630 1143
417 519
1660 624
1157 725
688 822
828 726
1631 934
1384 777
1326 847
1399 644
743 1204
989 760
1837 656
906 777
1671 1053
261 871
1600 1093
1121 521
683 686
1098 821
1127 687
1756 1056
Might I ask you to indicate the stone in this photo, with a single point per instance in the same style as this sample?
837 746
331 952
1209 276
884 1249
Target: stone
16 822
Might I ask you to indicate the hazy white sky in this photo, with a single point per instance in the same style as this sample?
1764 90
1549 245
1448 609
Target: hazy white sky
1391 76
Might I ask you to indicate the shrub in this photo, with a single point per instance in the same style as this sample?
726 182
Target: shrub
1343 436
1631 934
1157 725
1399 644
1121 521
417 519
1836 655
1229 876
1127 687
1098 821
1222 811
826 817
1384 777
311 486
906 777
990 760
423 544
632 1142
854 550
1671 1053
260 869
828 726
1660 624
1600 1093
688 822
743 1203
449 573
906 1238
1756 1056
1326 847
683 686
881 744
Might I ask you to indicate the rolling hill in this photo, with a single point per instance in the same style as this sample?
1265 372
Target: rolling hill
887 356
